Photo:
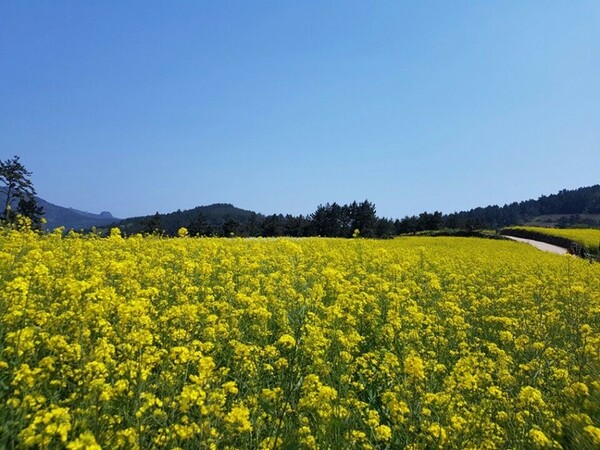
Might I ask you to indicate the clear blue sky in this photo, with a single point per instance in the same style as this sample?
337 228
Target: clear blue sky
137 107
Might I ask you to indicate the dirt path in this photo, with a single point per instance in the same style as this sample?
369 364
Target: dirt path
541 245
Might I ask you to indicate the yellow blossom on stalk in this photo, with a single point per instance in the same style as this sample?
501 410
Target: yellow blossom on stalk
180 355
495 392
458 422
414 367
287 341
372 418
306 438
317 397
383 433
506 336
85 441
530 396
230 387
397 409
594 433
437 432
47 426
239 419
578 390
539 438
271 443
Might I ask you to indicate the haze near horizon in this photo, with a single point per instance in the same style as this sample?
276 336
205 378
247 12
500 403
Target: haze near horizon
140 107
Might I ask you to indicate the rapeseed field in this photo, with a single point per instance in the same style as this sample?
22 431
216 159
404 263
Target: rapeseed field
417 343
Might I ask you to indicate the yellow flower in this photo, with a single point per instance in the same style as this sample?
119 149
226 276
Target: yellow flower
458 422
437 432
578 390
55 422
287 341
383 433
594 433
531 396
414 367
85 441
238 419
539 438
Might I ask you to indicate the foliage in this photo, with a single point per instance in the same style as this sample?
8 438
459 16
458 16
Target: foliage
422 343
18 193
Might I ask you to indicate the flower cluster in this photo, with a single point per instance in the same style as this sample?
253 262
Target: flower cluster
420 343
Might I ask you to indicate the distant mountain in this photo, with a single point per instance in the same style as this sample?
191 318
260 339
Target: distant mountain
58 216
70 218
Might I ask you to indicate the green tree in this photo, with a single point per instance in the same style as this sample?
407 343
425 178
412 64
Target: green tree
231 228
153 225
199 226
364 218
19 193
331 220
28 207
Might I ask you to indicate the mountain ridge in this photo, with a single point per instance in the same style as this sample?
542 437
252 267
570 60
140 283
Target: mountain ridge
70 218
565 208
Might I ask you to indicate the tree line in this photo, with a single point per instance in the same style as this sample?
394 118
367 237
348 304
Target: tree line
360 219
17 197
329 220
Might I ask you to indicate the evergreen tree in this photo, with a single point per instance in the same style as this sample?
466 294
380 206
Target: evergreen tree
153 224
28 207
199 226
331 220
19 192
231 228
363 218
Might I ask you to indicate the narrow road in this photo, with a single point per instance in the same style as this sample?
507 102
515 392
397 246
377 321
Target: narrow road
541 245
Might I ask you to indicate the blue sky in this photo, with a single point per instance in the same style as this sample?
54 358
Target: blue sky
137 107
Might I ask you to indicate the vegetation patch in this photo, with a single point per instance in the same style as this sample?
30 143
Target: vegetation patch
581 241
456 232
415 342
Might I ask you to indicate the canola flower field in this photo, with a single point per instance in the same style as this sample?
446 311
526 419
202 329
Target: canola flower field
417 343
588 237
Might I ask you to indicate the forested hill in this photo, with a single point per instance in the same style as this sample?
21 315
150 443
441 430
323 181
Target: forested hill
203 220
567 207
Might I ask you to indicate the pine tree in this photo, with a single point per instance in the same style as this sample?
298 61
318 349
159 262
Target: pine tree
19 193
